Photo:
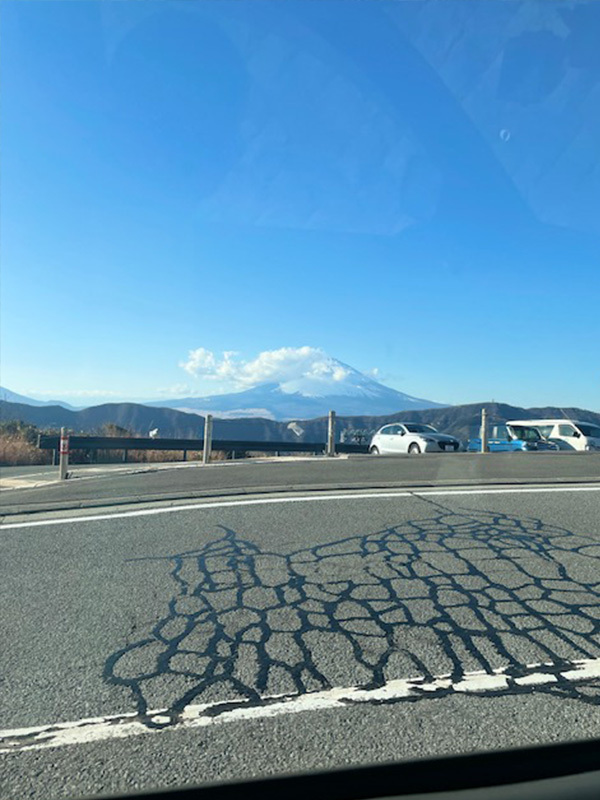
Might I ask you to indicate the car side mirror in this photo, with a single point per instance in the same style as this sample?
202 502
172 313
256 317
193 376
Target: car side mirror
576 434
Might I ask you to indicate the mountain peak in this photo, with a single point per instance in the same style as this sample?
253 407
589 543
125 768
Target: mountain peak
314 388
329 377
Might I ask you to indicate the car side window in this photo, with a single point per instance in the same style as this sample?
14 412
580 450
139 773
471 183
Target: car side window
566 430
545 430
387 431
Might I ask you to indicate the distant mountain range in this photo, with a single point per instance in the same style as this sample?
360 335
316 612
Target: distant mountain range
333 385
269 400
338 386
13 397
460 421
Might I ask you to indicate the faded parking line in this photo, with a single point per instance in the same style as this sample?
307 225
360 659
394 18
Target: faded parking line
95 729
313 498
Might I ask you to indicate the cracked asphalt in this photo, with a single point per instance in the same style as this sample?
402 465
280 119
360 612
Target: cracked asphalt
134 613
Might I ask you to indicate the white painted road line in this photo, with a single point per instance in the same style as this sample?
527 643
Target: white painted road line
146 512
96 729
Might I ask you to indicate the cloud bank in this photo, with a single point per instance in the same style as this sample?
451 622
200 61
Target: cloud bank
270 366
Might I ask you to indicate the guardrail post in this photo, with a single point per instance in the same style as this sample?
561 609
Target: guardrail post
208 427
483 431
331 434
64 454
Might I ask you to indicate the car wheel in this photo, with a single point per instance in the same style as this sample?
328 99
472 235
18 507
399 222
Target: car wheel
414 449
374 451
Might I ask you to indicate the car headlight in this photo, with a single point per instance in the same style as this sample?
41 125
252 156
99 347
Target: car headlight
426 439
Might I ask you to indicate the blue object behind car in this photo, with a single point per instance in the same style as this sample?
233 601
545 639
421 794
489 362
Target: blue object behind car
507 438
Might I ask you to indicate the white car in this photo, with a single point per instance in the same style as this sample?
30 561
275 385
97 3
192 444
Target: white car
411 437
569 434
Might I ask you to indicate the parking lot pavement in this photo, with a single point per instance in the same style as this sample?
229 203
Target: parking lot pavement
173 646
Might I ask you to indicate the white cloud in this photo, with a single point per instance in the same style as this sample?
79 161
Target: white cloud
270 366
203 363
200 362
339 373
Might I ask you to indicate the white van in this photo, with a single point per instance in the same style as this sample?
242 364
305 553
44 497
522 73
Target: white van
569 434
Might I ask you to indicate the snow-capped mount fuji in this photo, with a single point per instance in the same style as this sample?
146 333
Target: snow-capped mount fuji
314 393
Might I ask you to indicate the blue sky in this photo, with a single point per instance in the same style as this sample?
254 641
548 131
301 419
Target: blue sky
415 191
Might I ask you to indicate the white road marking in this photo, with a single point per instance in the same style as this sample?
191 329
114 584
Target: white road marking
145 512
96 729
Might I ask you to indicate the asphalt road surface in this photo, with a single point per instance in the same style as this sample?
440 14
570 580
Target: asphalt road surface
92 486
242 637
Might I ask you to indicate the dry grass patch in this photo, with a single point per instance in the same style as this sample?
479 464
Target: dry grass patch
15 451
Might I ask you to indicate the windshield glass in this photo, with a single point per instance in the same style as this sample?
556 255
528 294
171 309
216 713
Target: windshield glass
525 433
260 513
413 428
589 430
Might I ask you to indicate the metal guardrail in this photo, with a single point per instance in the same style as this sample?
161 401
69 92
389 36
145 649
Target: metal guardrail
91 443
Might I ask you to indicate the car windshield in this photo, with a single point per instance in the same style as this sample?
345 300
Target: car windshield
415 428
500 432
525 433
589 430
260 512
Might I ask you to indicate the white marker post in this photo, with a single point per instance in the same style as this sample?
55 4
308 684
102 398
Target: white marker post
483 431
331 434
64 454
208 427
